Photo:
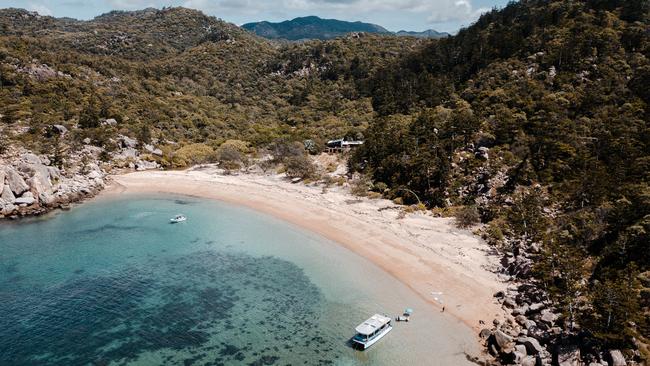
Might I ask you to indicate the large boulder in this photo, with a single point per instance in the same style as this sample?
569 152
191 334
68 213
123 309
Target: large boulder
548 317
532 345
126 153
2 178
30 158
8 209
7 195
616 358
15 182
25 200
146 165
153 150
127 142
535 308
501 339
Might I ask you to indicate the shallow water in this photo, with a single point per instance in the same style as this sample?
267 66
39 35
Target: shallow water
112 282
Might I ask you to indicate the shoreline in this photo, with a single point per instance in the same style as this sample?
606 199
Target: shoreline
445 266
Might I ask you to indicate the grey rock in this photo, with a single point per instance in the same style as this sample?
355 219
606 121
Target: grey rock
127 153
520 319
61 129
8 209
548 317
532 345
485 332
2 178
86 140
153 150
535 308
568 356
520 310
146 165
483 153
617 358
502 340
109 122
15 181
24 201
40 181
7 195
128 142
509 302
30 158
520 348
94 174
529 324
528 361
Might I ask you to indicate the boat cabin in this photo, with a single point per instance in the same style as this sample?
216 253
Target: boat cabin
342 145
371 330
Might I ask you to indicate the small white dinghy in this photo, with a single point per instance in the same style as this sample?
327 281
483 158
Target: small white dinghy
177 219
371 331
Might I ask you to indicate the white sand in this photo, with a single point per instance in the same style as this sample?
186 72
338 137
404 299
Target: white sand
444 265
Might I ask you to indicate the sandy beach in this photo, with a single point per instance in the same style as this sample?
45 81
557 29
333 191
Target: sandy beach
444 265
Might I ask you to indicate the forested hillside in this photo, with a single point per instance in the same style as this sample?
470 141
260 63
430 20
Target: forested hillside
536 118
177 75
533 121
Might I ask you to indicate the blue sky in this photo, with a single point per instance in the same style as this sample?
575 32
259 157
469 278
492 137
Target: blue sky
442 15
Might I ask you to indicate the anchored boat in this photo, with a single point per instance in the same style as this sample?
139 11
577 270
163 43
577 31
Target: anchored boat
371 331
177 219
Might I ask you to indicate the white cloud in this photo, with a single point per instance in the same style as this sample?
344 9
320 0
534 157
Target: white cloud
454 11
134 4
39 8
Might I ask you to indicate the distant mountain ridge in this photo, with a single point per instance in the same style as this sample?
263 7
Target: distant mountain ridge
313 27
429 33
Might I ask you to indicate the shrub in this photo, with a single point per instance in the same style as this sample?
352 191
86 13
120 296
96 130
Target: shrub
281 150
380 187
467 216
194 154
493 233
360 186
230 156
299 166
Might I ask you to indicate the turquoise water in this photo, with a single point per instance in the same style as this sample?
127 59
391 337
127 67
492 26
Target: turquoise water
113 283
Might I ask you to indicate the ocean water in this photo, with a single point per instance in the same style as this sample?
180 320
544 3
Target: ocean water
112 282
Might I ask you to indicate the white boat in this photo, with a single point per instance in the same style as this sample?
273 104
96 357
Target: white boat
406 316
177 219
371 331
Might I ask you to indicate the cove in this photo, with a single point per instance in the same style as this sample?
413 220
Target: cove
112 282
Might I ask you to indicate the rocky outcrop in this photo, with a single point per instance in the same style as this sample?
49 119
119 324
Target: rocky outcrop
31 185
128 156
616 358
15 181
534 332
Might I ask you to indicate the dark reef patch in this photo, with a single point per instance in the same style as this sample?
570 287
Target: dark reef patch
203 308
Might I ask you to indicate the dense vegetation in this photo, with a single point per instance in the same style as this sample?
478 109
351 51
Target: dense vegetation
538 116
534 119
